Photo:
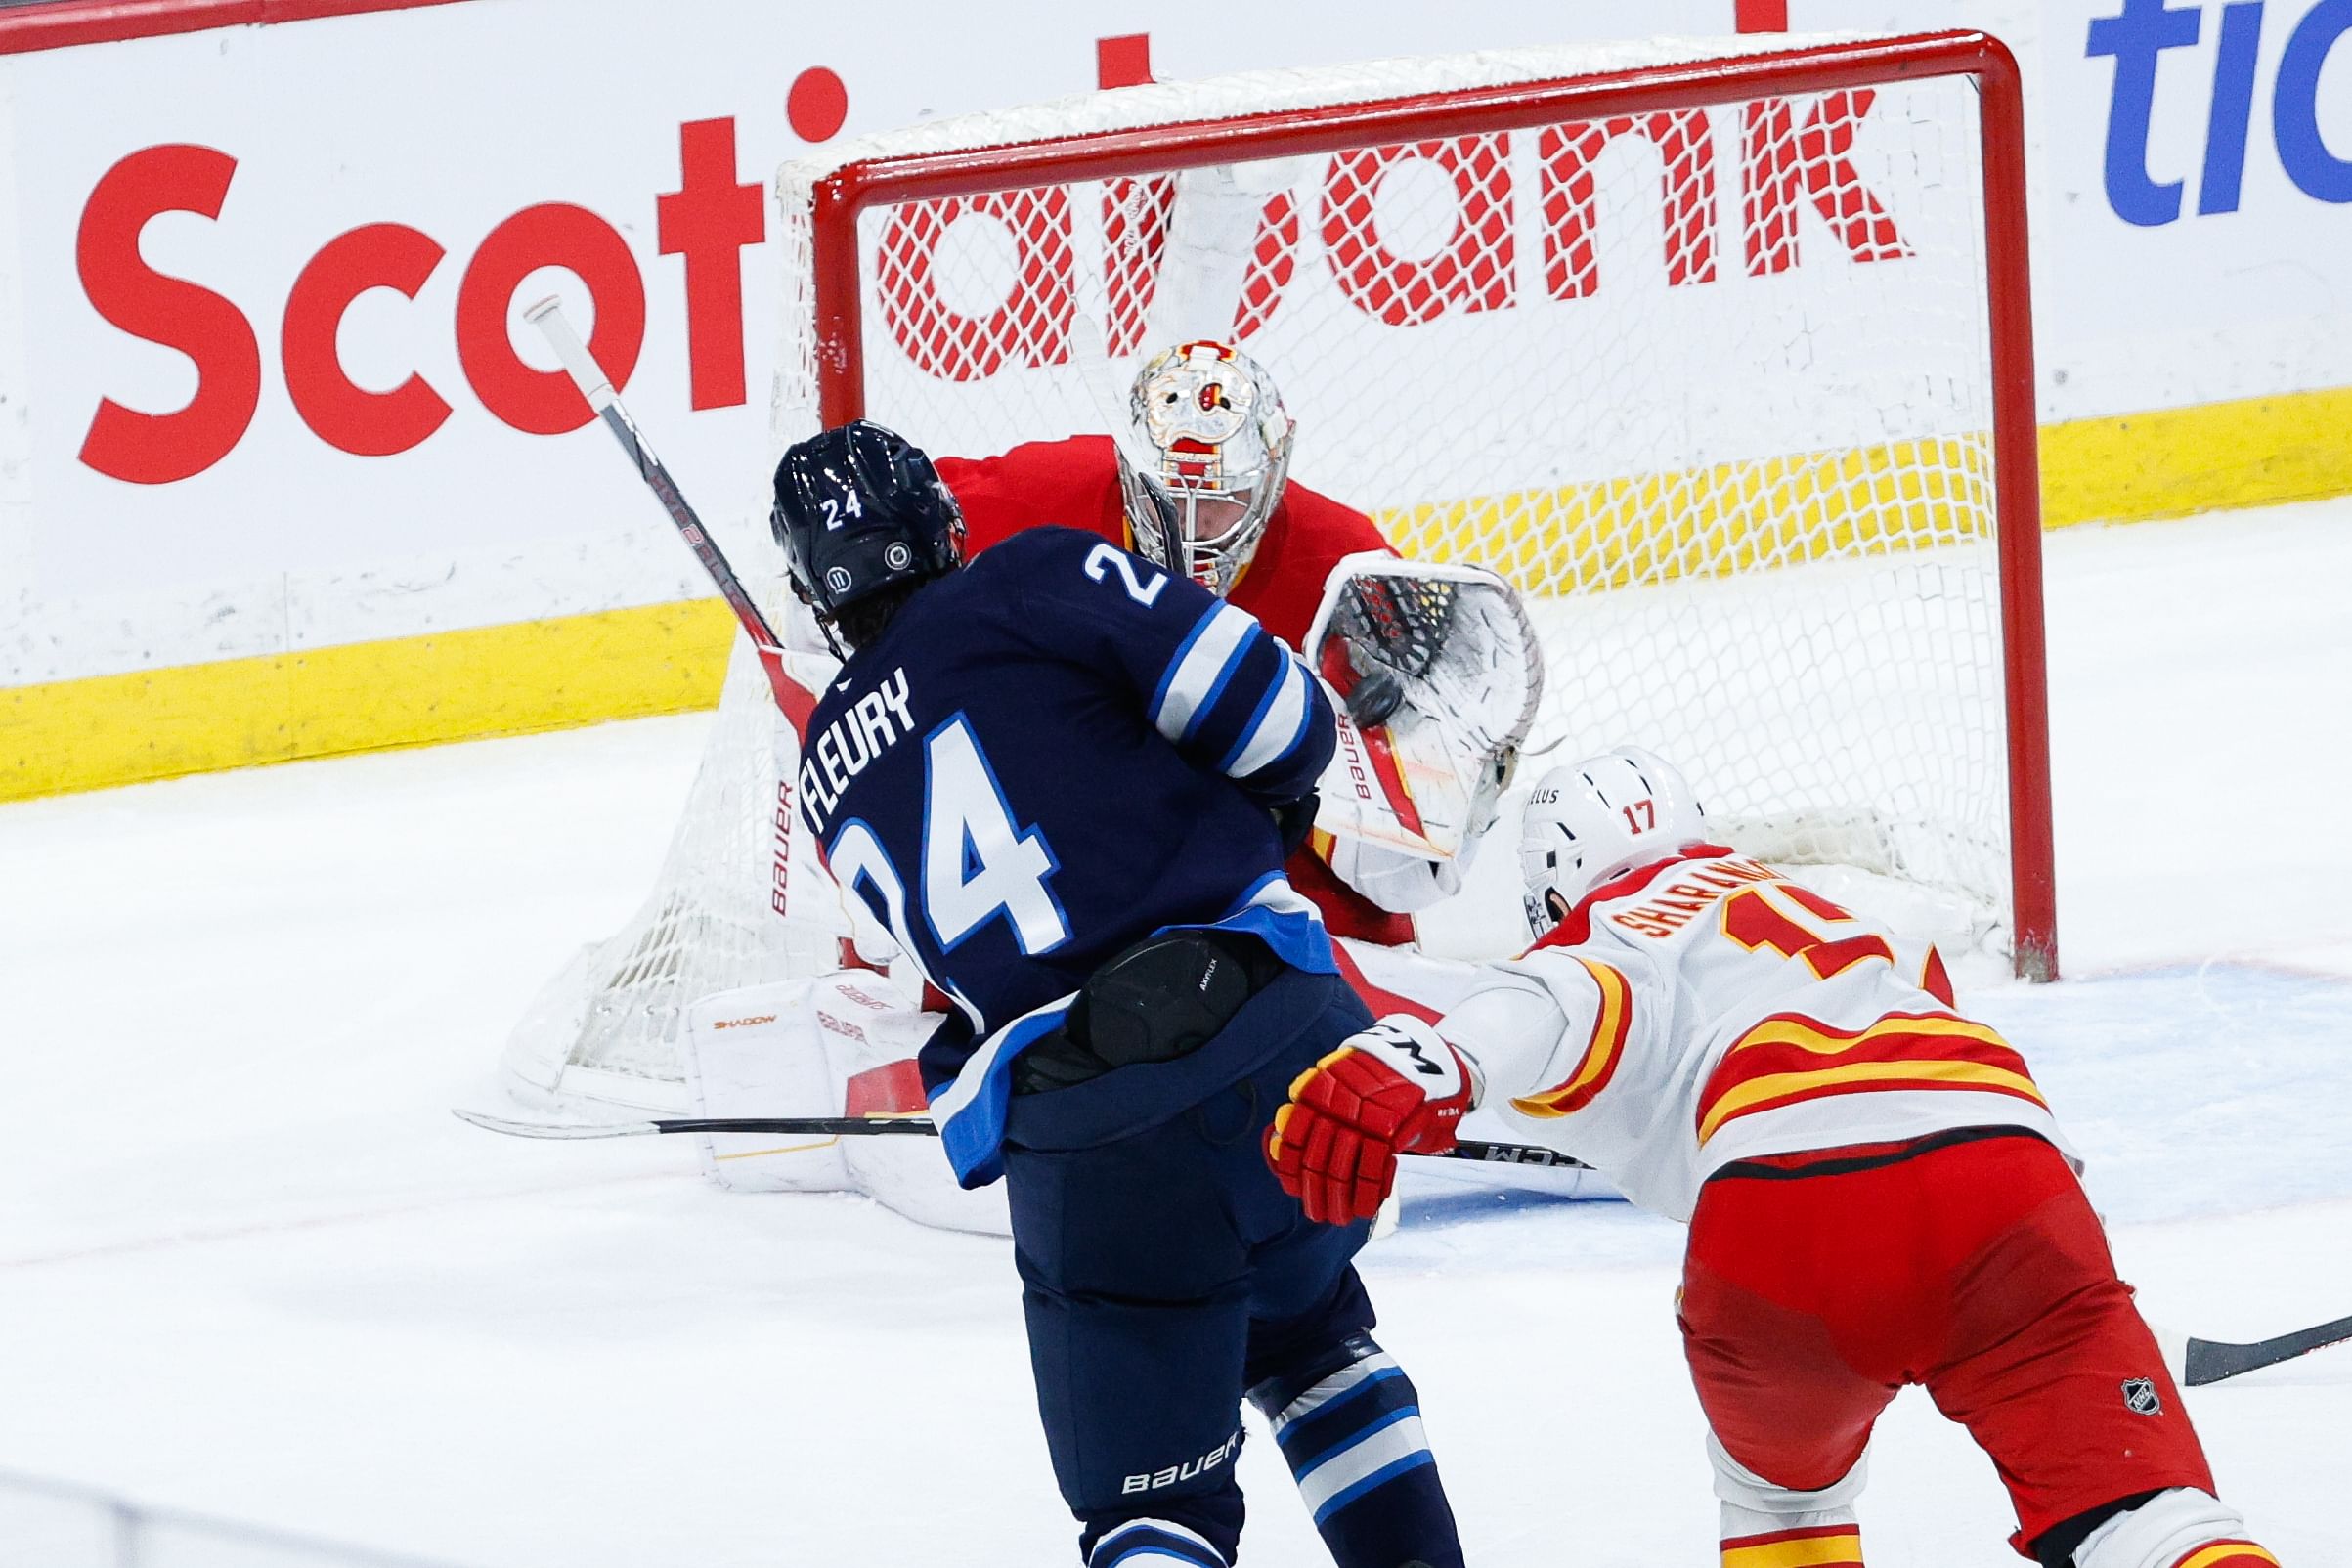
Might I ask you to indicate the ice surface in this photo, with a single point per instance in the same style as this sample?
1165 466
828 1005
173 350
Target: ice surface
249 1265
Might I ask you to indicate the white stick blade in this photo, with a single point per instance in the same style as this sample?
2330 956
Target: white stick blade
554 1129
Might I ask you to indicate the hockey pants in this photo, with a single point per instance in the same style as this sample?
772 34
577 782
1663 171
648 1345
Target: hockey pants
1165 1275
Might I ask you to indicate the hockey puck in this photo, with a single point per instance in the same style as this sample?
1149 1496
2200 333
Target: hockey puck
1375 696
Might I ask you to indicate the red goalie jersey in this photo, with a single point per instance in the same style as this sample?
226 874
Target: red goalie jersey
1703 1010
1075 483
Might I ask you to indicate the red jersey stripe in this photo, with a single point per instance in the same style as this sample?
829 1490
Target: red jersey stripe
1602 1051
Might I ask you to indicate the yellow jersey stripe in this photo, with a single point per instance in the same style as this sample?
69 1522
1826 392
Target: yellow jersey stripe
1817 1552
2228 1552
1601 1052
1826 1041
1946 1075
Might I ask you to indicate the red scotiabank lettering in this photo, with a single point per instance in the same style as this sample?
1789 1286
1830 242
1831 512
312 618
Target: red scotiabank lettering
707 221
1779 158
1031 328
545 403
370 424
1571 267
1134 236
158 449
1788 160
1476 270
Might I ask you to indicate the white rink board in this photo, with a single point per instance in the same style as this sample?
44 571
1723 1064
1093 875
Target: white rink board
287 543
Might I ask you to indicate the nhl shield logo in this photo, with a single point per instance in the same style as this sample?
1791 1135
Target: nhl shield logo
2140 1397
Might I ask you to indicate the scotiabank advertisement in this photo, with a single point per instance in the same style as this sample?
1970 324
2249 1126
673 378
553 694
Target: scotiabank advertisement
268 388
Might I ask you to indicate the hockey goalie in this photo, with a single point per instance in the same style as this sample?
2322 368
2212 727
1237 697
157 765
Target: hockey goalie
1436 667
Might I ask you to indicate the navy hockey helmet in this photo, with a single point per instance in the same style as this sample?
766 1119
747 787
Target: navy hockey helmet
857 509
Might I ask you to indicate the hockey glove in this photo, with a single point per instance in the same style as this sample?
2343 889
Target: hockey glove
1395 1089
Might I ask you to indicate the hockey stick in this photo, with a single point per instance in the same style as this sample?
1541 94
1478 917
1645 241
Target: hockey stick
2209 1361
796 700
815 1126
2202 1363
895 1126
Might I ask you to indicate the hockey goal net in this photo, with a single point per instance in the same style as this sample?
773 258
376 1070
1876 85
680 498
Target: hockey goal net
1723 356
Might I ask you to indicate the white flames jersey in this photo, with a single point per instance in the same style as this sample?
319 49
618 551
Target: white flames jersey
1707 1010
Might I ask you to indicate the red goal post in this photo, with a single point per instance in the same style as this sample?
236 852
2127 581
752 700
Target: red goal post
1766 470
842 196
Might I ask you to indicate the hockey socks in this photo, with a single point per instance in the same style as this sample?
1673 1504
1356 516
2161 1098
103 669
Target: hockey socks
1835 1545
1154 1544
1350 1425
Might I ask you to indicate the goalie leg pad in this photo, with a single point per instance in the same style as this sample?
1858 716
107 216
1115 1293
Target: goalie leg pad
758 1052
871 1031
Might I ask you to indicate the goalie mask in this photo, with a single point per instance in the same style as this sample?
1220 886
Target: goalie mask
1590 821
1218 443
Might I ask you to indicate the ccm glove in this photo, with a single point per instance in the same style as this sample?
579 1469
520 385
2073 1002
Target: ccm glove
1395 1089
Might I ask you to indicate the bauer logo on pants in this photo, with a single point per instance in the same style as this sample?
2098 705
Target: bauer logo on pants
2140 1398
1154 1480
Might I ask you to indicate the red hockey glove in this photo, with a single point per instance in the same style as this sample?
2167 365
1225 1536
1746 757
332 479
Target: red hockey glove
1395 1089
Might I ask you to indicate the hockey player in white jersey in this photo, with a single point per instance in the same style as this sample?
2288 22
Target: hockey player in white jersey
1877 1194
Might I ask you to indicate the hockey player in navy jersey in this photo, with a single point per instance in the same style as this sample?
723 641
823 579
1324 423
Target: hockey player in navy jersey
1066 781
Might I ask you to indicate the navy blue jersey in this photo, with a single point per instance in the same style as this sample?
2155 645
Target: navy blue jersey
1046 757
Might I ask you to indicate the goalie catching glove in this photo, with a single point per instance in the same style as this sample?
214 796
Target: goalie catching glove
1441 674
1394 1089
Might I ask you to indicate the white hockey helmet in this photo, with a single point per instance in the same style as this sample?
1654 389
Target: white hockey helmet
1590 821
1219 445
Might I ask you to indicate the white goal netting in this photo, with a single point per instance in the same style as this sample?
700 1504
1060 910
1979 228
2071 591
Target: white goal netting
1701 363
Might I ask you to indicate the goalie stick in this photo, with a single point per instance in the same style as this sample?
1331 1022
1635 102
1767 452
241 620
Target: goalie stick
895 1126
2195 1362
796 700
2209 1361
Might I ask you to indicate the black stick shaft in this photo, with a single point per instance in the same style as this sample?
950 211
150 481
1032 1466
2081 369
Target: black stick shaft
1471 1149
2210 1359
817 1126
698 538
796 700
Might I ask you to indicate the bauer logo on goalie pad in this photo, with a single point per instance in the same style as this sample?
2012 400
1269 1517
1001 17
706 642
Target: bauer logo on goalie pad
1154 1480
2140 1398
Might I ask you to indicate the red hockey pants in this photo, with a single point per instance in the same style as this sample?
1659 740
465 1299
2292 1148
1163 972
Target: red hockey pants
1812 1291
